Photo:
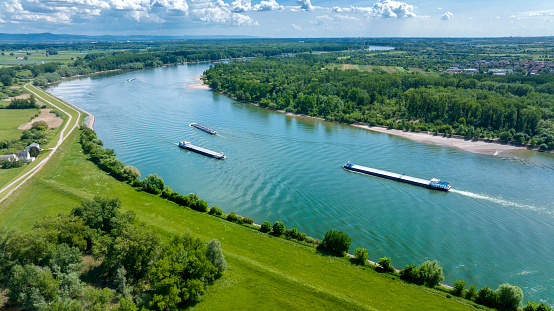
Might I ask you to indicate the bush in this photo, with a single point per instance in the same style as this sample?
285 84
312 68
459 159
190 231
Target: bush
487 297
39 125
361 255
411 274
232 217
266 227
459 287
278 228
509 296
214 210
130 172
471 292
336 242
153 184
215 256
385 264
292 233
432 273
543 147
199 205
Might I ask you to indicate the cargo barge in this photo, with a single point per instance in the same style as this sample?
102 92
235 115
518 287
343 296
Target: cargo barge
203 128
187 145
434 184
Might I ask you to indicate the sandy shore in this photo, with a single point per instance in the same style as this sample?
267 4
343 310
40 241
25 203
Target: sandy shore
198 84
482 147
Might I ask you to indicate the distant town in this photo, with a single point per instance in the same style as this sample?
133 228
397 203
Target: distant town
503 67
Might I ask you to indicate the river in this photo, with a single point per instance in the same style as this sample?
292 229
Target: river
495 226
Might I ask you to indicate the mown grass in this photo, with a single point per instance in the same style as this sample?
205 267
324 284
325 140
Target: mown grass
264 272
11 119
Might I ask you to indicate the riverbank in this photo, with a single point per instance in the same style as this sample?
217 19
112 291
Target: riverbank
491 147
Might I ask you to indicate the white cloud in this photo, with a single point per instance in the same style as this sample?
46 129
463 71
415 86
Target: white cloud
447 16
296 27
337 9
392 9
270 5
305 5
127 12
241 6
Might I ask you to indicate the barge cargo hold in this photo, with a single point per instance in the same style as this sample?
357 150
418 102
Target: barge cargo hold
203 128
434 184
187 145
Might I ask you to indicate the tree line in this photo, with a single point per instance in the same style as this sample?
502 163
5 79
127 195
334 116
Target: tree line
475 106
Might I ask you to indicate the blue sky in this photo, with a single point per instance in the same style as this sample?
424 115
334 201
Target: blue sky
282 18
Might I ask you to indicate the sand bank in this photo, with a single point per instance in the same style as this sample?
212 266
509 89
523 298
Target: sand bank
198 84
475 146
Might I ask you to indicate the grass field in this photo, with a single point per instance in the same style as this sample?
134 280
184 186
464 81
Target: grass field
11 119
264 272
388 69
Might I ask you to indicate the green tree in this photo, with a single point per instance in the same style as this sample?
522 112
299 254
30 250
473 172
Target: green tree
487 297
459 287
471 292
509 296
385 264
31 286
126 305
278 228
215 256
98 299
265 227
130 172
232 217
181 275
98 213
336 242
411 274
432 272
361 255
153 184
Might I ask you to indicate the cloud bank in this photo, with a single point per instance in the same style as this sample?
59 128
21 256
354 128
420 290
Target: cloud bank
447 16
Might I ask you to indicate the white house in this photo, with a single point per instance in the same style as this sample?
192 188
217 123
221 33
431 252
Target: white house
9 157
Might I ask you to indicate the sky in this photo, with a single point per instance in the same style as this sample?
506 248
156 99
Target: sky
281 18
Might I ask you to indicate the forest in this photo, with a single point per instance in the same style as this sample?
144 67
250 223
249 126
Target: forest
472 105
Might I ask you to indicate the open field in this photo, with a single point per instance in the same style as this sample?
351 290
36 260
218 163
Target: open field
263 271
388 69
12 119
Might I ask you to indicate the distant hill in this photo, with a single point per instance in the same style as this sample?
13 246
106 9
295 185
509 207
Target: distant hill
50 37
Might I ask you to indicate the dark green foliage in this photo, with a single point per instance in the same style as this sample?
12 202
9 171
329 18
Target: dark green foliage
180 276
130 172
459 287
153 184
98 299
487 297
232 217
385 264
432 273
70 230
336 242
98 213
266 227
23 103
509 296
199 205
361 255
126 305
411 274
64 259
534 307
471 292
215 256
247 220
39 125
32 286
131 246
278 228
214 210
10 164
